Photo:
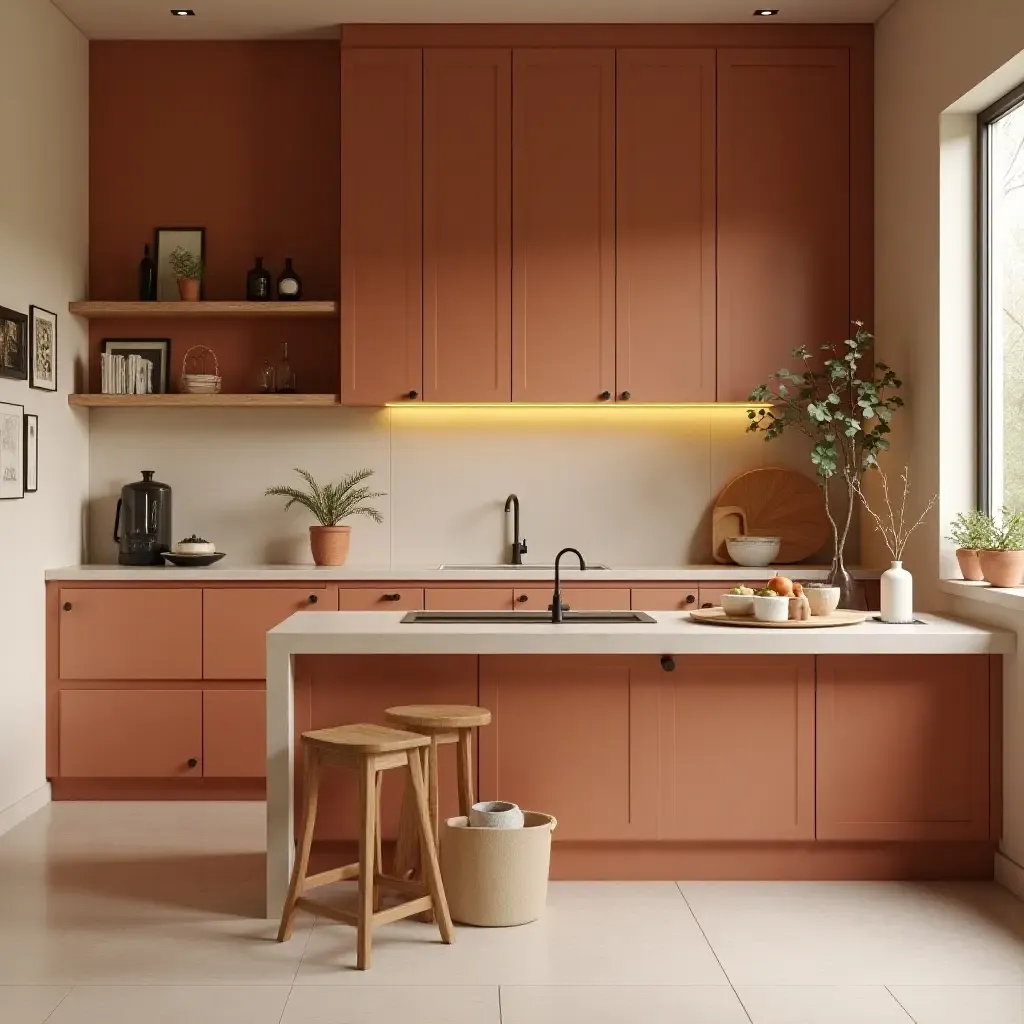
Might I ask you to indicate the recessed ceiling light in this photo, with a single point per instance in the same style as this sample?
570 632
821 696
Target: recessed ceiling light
765 12
183 12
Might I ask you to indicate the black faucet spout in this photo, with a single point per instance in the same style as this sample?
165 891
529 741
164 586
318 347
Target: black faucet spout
556 598
518 544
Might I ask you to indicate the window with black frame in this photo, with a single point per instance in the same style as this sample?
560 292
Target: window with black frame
1002 303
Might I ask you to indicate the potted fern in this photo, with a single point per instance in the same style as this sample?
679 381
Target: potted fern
330 504
971 532
187 268
1002 558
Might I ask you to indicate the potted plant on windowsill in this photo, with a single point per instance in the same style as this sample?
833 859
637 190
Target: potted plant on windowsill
971 532
187 268
330 504
1002 559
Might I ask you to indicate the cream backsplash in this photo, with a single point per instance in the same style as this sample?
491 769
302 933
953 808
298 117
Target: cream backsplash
629 487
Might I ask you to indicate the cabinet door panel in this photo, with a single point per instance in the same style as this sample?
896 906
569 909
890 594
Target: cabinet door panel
131 734
360 689
903 747
467 209
665 213
236 621
563 225
380 599
152 633
664 599
783 210
381 226
580 599
480 599
234 734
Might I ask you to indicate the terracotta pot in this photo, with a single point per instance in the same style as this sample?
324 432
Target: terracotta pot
1002 568
329 544
188 289
970 567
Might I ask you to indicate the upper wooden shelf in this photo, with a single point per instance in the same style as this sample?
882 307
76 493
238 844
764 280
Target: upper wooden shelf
200 401
197 310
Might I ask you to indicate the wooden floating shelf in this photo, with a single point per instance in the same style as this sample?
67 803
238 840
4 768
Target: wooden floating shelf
201 401
200 310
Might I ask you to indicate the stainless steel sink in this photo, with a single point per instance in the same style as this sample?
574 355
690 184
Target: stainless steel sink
528 618
481 567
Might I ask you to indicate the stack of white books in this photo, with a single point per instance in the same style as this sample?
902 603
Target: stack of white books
126 375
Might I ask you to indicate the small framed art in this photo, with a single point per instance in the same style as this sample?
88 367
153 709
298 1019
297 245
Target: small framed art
167 240
31 453
156 351
12 451
42 349
13 344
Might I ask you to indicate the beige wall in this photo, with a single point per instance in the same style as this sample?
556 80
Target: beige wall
43 261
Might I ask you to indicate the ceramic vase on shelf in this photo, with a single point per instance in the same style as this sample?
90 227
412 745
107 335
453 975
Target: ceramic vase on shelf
897 597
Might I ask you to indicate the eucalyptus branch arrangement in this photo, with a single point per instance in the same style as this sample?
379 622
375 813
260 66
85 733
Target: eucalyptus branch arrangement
185 264
894 525
331 503
845 408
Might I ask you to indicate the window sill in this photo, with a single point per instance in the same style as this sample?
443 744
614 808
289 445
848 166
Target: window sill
1002 597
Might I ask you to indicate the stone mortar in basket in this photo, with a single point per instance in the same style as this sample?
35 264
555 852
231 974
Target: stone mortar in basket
194 378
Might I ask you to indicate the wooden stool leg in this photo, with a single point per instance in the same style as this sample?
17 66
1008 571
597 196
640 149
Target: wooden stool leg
465 755
378 863
432 790
367 855
431 868
407 848
311 785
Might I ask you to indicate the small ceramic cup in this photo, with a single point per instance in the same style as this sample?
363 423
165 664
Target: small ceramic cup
823 600
771 609
495 814
738 605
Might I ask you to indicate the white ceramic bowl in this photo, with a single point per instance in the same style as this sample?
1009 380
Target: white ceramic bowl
495 814
738 605
771 609
753 551
823 600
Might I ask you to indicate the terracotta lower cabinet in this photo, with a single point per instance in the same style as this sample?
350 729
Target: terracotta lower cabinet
665 599
380 599
359 689
130 633
580 599
131 734
234 734
903 747
711 597
474 599
236 620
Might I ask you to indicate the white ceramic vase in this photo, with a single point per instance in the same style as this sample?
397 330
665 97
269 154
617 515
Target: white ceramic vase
897 599
495 814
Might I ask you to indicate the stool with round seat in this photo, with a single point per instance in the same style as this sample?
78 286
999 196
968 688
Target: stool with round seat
442 724
371 750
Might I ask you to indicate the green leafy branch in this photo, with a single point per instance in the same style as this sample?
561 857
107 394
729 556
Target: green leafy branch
331 503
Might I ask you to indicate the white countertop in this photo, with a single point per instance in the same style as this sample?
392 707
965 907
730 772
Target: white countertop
222 573
673 633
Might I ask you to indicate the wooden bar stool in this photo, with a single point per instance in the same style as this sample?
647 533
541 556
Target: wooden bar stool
443 724
371 750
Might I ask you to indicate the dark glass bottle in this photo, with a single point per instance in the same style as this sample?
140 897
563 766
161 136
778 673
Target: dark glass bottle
257 283
147 278
289 287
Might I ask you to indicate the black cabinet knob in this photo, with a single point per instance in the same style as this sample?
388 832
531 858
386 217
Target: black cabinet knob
690 599
707 604
391 597
413 394
193 762
67 606
523 598
625 396
605 396
667 663
313 599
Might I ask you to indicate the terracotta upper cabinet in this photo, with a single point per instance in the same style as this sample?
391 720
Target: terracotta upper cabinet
563 225
783 210
467 211
381 226
665 213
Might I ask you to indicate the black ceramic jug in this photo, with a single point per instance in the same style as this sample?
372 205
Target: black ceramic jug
142 521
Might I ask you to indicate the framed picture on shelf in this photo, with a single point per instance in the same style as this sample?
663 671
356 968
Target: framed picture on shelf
167 240
42 349
12 451
155 350
13 344
31 453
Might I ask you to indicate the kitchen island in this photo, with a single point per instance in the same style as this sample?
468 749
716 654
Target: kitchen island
674 749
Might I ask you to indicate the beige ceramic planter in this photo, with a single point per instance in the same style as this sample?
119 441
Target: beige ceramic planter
329 544
1002 568
188 289
970 567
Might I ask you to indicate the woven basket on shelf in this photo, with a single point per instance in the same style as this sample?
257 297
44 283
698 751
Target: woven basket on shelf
199 383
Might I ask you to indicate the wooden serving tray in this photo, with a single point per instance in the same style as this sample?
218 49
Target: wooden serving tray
840 617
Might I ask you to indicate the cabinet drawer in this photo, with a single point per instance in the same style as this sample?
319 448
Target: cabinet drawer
381 599
579 599
665 599
711 597
469 599
146 633
234 734
235 624
131 734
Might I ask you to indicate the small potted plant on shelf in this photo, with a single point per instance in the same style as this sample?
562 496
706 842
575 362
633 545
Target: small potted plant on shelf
330 504
1002 558
971 532
187 268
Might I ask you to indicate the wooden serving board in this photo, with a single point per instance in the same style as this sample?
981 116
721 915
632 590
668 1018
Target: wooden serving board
840 617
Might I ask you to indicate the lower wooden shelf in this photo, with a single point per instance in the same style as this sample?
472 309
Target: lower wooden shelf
200 401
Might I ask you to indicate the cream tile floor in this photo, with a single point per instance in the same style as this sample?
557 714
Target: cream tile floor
145 914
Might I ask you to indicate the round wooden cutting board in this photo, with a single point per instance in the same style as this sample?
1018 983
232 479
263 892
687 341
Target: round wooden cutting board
772 503
840 617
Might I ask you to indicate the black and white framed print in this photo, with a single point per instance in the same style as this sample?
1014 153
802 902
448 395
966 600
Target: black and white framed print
13 344
155 350
31 453
167 240
42 349
12 451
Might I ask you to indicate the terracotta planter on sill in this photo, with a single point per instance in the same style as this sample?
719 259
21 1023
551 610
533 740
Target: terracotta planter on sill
188 289
970 566
329 544
1002 568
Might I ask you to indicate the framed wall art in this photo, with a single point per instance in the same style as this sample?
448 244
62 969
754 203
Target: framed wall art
31 453
167 240
42 349
12 451
13 344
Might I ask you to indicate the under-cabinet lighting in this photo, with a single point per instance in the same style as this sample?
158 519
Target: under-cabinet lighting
511 406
